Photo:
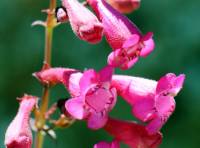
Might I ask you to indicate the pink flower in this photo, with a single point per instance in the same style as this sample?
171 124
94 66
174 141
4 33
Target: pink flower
113 144
123 36
125 6
52 76
132 134
96 98
153 102
18 134
83 22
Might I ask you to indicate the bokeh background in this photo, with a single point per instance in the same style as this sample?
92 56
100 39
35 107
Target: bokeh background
175 24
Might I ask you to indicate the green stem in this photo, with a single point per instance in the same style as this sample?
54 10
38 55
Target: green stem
40 119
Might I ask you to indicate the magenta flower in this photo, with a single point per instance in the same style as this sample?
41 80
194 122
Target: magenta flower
123 36
124 6
83 22
113 144
153 102
18 134
96 98
52 76
132 134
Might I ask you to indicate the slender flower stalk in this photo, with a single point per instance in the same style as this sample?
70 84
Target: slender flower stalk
40 119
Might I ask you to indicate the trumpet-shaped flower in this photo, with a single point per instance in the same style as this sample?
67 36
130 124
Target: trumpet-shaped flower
132 134
96 98
123 36
153 102
83 22
18 134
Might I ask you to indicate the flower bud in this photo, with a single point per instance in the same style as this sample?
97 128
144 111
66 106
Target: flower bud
61 14
83 22
18 134
52 76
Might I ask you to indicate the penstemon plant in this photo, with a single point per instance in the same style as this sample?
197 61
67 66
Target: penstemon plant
94 93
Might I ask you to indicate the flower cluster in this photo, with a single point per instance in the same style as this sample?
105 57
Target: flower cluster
94 93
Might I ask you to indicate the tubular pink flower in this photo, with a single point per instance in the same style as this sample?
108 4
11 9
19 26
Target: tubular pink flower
125 6
102 144
133 134
83 22
96 98
123 36
52 76
153 102
18 134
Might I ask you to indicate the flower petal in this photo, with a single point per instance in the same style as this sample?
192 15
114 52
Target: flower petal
103 144
106 74
125 6
148 44
144 109
131 41
71 82
170 83
129 63
165 106
132 134
75 107
89 77
133 89
97 120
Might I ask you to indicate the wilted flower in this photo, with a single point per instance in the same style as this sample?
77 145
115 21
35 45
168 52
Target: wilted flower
102 144
132 134
123 36
125 6
83 22
18 134
152 101
96 98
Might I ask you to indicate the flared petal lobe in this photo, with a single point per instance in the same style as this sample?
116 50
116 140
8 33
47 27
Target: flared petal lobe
170 84
75 107
18 134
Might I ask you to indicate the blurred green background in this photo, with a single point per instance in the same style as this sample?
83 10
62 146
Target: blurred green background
175 24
